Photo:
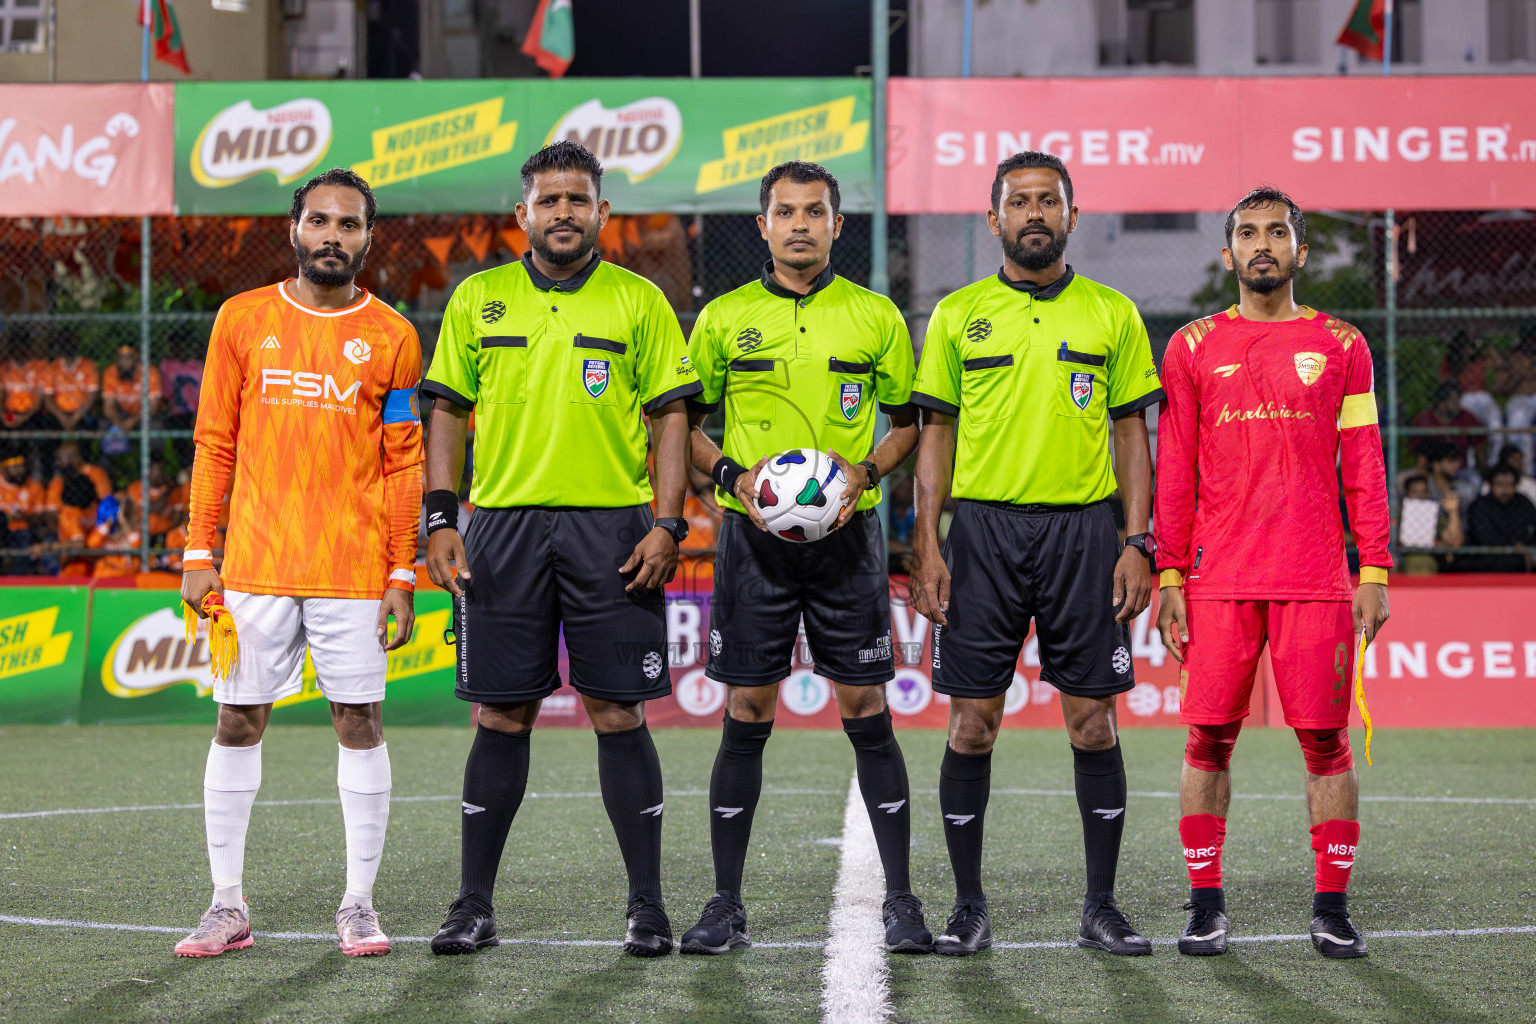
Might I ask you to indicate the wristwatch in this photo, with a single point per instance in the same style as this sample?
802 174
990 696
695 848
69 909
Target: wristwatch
676 526
873 471
1146 544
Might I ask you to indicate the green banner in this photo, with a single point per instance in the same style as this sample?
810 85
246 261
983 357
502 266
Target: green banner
141 669
667 145
42 653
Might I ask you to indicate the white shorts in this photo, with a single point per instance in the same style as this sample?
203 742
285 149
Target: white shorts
273 632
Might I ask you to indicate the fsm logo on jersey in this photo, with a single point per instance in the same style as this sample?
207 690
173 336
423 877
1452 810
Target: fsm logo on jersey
1082 389
853 397
594 376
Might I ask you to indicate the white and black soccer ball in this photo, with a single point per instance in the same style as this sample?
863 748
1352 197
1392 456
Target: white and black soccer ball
800 494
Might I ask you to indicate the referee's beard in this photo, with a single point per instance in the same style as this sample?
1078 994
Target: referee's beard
1035 257
565 257
329 277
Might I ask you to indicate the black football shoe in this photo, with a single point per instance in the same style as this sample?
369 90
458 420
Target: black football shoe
1206 933
647 930
968 930
721 928
1333 934
1104 927
905 930
471 925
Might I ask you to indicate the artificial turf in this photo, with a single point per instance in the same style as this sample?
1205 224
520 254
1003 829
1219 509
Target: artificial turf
1423 865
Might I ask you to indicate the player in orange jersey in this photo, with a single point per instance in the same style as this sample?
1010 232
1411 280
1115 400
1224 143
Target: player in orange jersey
310 390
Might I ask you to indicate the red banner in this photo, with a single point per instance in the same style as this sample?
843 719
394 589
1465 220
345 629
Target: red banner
1457 652
86 150
1150 145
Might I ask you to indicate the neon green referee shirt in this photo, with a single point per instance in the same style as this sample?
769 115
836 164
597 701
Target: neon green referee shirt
1034 376
557 373
801 371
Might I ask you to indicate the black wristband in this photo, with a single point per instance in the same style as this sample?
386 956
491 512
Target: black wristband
442 510
726 472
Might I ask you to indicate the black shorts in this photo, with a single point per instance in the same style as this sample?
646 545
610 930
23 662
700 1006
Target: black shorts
536 571
1010 563
763 585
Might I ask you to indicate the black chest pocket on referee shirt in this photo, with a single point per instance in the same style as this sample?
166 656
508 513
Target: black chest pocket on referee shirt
503 369
600 368
1082 385
852 390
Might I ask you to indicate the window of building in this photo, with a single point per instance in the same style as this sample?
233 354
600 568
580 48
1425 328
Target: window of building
1157 222
1407 32
1511 30
1133 32
21 26
1287 31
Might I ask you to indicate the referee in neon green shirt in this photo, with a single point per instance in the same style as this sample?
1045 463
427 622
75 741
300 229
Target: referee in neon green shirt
559 355
800 358
1023 376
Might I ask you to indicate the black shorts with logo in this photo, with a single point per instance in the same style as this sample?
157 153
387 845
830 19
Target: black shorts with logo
763 585
536 571
1012 563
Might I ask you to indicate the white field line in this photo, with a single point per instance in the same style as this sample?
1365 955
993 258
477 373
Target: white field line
855 977
1438 933
1163 794
454 798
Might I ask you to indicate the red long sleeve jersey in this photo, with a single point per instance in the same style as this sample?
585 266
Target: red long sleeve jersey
1257 418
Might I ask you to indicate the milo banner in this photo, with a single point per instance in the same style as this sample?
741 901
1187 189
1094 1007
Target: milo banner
678 145
142 669
42 653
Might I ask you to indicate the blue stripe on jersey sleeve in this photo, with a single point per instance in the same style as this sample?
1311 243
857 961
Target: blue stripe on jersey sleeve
401 407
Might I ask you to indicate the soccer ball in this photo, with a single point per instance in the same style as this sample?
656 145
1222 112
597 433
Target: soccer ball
800 494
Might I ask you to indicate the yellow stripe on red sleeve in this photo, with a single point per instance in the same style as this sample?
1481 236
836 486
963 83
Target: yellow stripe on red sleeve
1358 411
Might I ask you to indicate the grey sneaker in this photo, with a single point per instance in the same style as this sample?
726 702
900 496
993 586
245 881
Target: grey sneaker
221 928
359 932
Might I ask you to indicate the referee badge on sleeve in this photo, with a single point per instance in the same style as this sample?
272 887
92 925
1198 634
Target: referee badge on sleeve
852 398
1082 389
594 376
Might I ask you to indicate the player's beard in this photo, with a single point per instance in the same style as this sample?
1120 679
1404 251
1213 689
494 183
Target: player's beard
565 259
1266 284
1032 258
325 277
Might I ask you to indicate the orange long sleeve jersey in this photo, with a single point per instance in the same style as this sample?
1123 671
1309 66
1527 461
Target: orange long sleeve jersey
318 410
1258 418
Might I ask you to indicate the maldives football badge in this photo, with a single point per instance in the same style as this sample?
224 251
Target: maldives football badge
1309 366
594 376
1082 389
853 395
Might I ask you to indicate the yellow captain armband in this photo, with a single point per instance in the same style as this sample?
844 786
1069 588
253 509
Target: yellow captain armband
1372 574
1358 411
1170 578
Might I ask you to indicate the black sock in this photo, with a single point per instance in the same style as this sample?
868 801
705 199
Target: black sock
1326 900
965 782
495 776
734 786
1211 899
629 774
1100 778
883 781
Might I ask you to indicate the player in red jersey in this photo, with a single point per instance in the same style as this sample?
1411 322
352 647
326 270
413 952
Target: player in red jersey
1265 401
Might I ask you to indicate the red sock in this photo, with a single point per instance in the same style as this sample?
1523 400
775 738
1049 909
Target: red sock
1335 842
1202 835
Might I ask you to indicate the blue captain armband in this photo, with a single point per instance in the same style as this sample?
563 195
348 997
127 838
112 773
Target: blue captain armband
401 406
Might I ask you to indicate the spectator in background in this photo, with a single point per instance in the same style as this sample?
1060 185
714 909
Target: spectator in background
113 535
1519 380
1446 411
1511 456
1427 522
1440 463
21 508
122 392
160 492
23 377
73 493
183 382
1501 518
72 386
1467 363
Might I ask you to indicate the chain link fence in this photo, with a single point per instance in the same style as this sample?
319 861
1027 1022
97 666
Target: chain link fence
1451 326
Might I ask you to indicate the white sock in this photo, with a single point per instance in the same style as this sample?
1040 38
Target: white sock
363 778
230 782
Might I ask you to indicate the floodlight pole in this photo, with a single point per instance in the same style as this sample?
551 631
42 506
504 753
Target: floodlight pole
1391 271
144 277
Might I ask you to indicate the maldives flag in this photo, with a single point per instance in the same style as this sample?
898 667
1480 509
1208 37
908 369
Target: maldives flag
551 40
169 48
1366 28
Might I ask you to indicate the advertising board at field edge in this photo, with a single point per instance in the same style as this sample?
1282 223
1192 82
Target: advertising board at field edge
1150 144
42 653
86 150
457 146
